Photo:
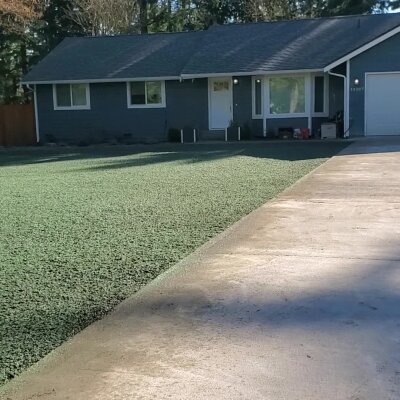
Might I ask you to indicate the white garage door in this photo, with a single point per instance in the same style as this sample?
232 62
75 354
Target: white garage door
382 104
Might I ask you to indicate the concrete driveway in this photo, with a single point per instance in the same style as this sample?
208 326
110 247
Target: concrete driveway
299 300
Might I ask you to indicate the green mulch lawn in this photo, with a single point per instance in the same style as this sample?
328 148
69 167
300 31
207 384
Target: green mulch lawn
83 228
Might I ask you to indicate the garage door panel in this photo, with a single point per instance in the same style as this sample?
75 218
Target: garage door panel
382 105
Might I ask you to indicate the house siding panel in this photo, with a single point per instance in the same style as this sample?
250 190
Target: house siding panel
187 104
336 95
110 118
385 57
242 101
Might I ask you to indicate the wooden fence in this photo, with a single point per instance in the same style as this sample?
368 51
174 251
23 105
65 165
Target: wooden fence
17 125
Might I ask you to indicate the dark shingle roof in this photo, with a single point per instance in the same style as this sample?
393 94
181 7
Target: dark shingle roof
233 48
114 57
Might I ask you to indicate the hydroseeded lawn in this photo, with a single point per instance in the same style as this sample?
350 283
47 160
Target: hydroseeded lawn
83 228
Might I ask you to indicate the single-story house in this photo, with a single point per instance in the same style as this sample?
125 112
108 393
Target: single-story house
262 76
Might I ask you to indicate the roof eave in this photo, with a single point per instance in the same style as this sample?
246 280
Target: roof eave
250 73
91 80
363 48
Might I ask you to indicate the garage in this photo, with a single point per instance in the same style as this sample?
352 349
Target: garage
382 104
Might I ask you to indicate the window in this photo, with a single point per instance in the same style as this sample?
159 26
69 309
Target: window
257 96
146 94
320 95
71 96
220 86
287 95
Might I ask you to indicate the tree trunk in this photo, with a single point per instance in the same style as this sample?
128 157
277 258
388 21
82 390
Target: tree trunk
170 24
143 20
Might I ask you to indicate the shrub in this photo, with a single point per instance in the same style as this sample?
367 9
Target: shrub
174 135
245 132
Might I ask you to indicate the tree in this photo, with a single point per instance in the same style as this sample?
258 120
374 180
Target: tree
16 18
104 17
17 14
258 10
54 26
267 10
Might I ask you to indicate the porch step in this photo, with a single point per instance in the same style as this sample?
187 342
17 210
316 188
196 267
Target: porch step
207 135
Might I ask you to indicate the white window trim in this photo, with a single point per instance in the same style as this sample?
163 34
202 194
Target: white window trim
158 105
307 100
253 96
324 113
71 107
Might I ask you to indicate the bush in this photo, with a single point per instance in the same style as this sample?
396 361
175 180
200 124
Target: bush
245 132
174 135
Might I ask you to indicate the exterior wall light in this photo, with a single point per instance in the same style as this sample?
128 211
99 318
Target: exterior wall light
356 81
235 81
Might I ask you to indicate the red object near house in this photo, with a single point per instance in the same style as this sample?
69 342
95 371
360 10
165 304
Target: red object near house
305 133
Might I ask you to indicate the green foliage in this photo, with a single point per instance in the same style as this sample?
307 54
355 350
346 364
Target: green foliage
83 228
54 26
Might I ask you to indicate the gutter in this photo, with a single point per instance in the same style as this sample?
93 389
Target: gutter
346 102
36 110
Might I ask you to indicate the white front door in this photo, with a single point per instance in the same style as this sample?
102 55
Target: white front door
382 106
220 104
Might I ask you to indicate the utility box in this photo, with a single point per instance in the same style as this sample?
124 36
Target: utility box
328 130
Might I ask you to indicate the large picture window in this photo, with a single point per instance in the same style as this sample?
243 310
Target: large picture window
287 95
71 96
146 94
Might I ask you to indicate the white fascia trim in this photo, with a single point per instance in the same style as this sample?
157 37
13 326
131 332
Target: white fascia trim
171 78
250 73
361 49
56 82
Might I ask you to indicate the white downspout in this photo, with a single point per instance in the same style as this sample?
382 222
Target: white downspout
347 115
36 111
346 100
265 87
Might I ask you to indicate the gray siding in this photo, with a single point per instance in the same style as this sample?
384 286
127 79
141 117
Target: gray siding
109 116
384 57
242 100
336 95
187 104
186 107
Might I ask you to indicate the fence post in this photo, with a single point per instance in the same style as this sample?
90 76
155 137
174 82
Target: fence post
226 134
194 135
239 133
181 135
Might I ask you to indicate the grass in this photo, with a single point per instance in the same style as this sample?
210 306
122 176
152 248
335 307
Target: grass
83 228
